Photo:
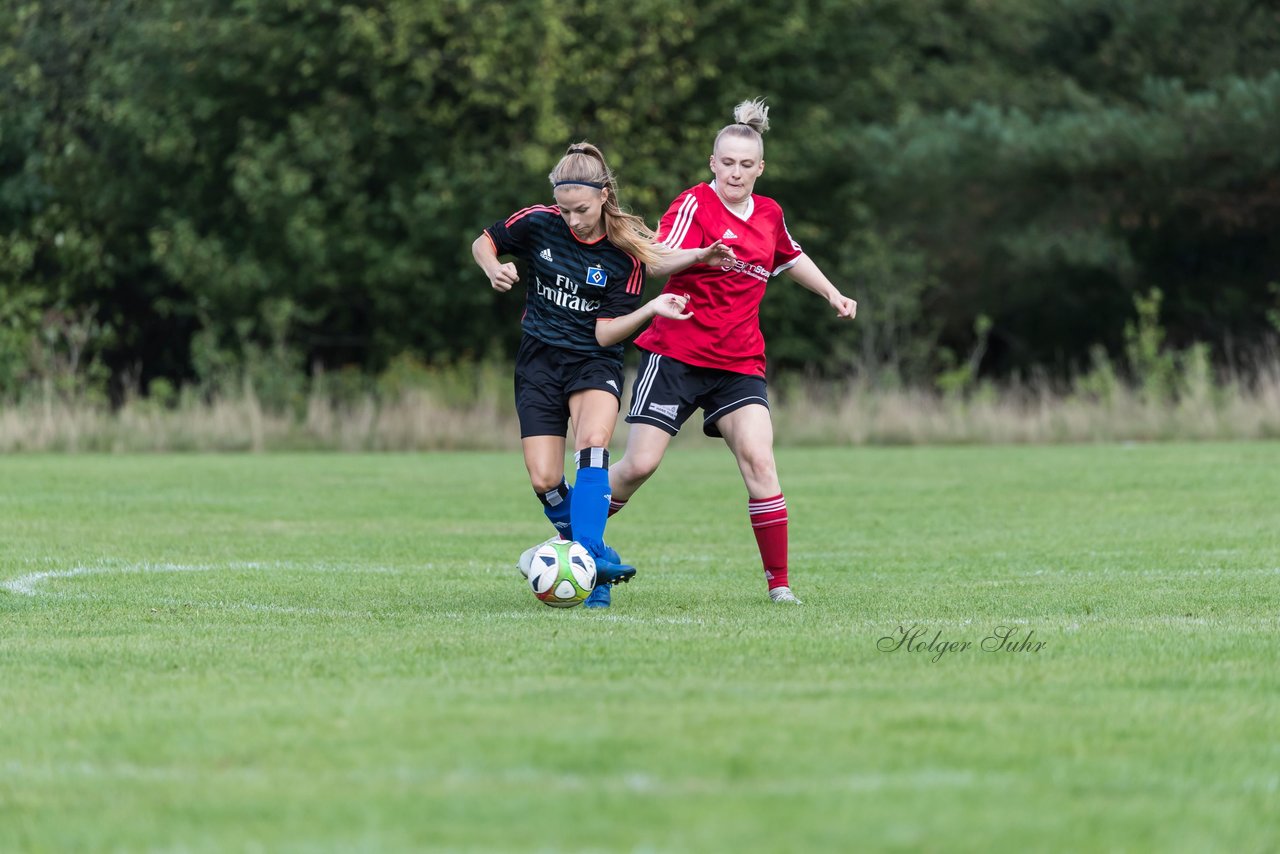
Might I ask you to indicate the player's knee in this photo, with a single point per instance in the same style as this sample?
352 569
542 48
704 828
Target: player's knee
643 465
544 481
758 464
594 437
623 477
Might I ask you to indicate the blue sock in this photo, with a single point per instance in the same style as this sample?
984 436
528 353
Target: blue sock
556 504
589 509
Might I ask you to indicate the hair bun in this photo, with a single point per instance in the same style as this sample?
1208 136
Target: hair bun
754 114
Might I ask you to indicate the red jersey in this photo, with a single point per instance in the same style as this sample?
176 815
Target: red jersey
724 331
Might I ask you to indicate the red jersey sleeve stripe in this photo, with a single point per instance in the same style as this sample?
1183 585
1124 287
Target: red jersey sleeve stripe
634 283
680 226
521 214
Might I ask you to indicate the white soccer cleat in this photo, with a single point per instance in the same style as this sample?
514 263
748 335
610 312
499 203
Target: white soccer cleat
784 594
527 557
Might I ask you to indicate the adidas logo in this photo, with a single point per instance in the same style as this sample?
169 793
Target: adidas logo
728 235
611 384
545 255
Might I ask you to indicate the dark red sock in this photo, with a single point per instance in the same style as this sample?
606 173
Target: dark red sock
769 522
615 505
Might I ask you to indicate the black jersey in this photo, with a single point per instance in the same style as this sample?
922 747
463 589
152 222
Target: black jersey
571 283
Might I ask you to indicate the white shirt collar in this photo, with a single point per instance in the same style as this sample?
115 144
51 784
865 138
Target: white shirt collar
751 204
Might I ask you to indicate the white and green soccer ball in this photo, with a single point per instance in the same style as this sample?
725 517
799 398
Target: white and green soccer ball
561 573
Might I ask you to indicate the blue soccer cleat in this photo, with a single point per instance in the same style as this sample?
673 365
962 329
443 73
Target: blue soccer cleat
599 597
611 572
609 567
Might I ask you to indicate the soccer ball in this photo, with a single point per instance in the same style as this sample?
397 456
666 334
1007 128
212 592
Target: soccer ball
562 573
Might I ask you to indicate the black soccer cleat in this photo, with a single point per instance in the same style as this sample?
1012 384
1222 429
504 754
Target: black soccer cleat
609 572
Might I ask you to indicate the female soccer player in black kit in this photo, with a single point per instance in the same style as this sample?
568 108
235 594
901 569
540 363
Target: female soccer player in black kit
587 263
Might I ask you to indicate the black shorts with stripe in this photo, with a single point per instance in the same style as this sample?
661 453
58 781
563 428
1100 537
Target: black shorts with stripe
547 375
667 391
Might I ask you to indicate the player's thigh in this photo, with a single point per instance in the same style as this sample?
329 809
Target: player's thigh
594 414
725 393
594 387
748 432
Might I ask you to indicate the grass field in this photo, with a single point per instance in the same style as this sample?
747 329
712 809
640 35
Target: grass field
334 653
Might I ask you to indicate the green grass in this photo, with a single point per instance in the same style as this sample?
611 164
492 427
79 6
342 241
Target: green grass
327 652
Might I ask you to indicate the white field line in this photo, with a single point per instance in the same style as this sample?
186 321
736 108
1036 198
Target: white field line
670 621
541 613
644 783
857 570
260 608
1164 574
124 771
26 585
463 780
1058 622
31 583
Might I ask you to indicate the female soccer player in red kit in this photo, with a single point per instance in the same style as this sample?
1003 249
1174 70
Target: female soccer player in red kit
715 359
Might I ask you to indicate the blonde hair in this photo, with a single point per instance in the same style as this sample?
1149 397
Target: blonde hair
750 121
584 164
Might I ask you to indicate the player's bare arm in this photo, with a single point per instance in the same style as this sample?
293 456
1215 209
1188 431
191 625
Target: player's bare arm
501 276
674 261
611 330
807 274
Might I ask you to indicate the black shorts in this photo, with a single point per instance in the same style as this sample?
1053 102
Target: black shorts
667 391
547 375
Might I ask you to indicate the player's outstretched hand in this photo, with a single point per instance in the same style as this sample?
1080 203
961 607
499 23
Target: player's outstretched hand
717 255
844 306
504 277
672 306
